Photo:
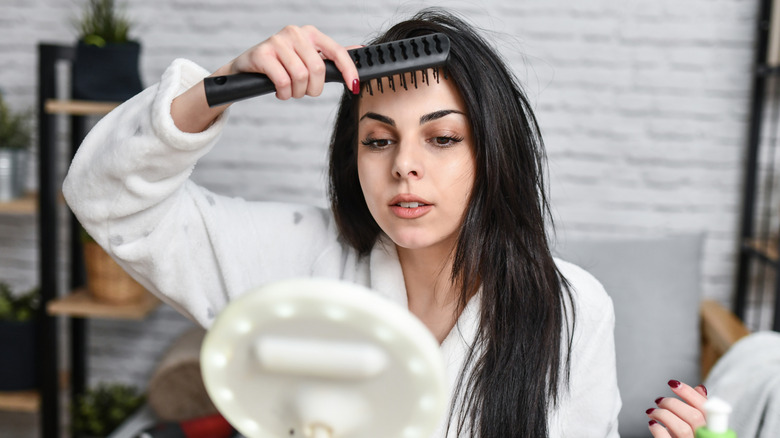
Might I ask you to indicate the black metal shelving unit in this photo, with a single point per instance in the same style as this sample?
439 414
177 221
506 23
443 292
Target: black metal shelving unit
759 264
70 301
49 55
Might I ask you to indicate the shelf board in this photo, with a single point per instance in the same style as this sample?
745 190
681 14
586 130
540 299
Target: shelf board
79 107
28 401
21 401
22 206
767 248
81 304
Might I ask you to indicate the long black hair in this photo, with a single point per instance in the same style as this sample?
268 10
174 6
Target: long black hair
520 360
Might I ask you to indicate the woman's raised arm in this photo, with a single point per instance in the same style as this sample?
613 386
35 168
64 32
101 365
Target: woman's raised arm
291 58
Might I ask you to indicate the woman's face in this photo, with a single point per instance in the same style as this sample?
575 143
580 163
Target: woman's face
416 162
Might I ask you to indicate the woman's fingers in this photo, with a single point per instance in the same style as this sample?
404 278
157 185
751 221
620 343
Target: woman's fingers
679 418
292 48
315 66
277 73
293 60
329 49
687 413
338 54
694 397
675 426
657 430
303 60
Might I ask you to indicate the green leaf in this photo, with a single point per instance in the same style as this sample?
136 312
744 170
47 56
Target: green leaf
95 40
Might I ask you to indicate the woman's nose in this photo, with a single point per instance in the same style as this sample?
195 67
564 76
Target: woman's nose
407 162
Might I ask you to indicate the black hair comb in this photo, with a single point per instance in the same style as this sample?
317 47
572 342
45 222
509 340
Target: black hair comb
372 62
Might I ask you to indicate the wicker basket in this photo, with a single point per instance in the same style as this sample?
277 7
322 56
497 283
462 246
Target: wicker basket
106 280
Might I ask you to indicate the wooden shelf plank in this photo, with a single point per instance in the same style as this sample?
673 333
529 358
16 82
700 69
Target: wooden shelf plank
768 248
28 401
22 206
22 401
79 107
81 304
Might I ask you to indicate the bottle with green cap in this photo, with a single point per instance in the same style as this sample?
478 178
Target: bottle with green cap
717 412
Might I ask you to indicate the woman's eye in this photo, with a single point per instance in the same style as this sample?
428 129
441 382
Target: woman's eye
377 142
446 141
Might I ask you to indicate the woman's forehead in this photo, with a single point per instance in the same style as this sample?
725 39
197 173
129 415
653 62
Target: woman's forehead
431 95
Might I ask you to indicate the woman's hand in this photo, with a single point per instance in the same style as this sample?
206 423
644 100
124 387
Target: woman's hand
292 59
678 418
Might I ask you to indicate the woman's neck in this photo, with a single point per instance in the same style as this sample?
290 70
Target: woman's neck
430 292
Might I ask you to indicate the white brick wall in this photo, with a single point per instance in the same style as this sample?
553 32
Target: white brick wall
643 106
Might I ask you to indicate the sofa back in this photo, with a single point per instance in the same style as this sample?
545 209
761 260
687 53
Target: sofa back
655 287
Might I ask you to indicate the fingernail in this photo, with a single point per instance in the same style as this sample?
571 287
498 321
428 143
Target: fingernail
356 86
649 411
705 389
652 423
658 400
674 383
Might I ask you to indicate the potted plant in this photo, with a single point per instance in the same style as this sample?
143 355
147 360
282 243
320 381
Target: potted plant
101 409
106 63
106 280
17 338
15 136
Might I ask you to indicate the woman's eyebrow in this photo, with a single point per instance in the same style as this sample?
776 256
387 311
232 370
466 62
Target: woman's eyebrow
423 119
437 115
379 117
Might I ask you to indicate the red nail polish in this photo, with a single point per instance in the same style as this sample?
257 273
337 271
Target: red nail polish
649 411
674 383
652 423
705 389
658 400
356 86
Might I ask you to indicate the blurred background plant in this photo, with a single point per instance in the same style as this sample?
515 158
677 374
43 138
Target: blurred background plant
101 409
102 22
19 307
15 127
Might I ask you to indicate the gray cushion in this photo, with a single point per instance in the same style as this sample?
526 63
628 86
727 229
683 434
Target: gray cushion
655 287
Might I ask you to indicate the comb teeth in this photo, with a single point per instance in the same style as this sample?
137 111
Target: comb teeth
438 74
395 57
399 58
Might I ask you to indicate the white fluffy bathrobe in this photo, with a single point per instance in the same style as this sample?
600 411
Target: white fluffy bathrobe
129 186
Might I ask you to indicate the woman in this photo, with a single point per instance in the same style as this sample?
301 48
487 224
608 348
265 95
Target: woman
437 203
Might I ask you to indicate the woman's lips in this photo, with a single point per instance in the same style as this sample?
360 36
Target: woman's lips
410 212
409 207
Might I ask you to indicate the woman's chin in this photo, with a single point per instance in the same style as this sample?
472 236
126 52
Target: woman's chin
419 241
410 241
